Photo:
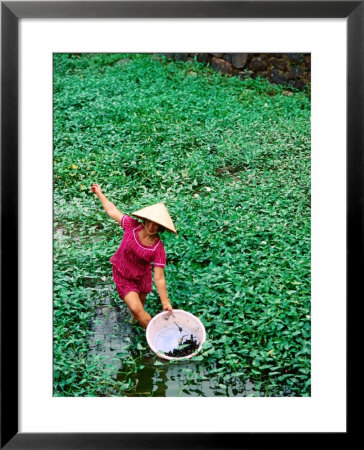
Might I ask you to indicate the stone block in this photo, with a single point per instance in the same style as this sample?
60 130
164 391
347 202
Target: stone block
280 64
277 76
221 65
181 56
295 57
293 73
203 57
299 84
228 57
257 64
239 60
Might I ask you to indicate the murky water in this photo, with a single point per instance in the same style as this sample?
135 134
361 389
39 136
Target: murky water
174 380
113 334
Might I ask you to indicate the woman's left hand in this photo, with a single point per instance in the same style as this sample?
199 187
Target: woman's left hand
167 307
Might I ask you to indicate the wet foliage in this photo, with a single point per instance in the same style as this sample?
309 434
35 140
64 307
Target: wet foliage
231 160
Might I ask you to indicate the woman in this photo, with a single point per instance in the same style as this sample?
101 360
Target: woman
140 247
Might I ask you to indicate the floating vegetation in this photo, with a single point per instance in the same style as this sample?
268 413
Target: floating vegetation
233 164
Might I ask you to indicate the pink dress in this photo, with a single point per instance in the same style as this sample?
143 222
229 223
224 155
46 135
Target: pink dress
132 262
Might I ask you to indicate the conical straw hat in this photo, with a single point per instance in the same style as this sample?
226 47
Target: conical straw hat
157 213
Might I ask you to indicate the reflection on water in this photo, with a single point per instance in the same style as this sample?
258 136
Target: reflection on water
113 334
179 379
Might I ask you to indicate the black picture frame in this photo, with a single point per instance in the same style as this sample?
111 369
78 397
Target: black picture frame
11 12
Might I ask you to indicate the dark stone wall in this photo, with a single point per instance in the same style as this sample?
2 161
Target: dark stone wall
290 69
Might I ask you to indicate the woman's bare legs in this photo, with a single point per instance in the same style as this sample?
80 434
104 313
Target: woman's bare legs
135 303
143 298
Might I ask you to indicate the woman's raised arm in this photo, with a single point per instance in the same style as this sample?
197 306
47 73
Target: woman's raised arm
109 207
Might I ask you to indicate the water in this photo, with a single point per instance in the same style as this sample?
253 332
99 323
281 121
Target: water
111 331
173 380
113 334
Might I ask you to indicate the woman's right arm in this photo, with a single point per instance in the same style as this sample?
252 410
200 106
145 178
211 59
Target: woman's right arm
109 207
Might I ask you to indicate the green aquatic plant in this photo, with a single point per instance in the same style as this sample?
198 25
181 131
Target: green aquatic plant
231 159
